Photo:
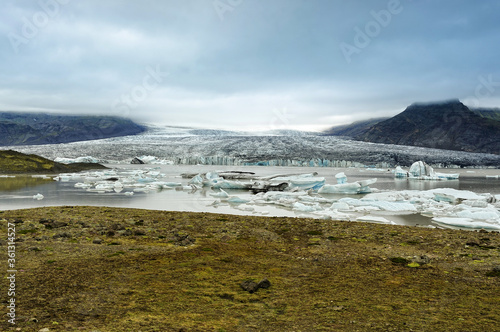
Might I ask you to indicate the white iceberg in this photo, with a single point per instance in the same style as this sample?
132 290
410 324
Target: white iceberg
465 223
341 178
421 171
306 208
375 219
38 197
358 187
220 194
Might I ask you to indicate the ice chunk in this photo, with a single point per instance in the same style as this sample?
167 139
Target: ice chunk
375 219
38 197
400 173
341 206
332 215
220 194
306 208
237 200
358 187
421 171
465 223
228 184
128 193
454 196
341 178
196 180
382 205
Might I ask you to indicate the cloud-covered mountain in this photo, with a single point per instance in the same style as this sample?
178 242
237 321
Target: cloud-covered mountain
39 128
447 125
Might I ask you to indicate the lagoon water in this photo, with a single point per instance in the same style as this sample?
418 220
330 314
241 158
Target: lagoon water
17 193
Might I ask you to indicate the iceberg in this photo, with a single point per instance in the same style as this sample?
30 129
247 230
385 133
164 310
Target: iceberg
341 178
221 194
229 184
306 208
375 219
421 171
354 188
237 200
400 173
382 205
455 196
38 197
465 223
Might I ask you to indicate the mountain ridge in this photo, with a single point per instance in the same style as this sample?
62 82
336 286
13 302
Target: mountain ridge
446 125
40 128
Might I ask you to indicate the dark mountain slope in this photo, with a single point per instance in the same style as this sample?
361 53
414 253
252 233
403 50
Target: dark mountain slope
39 128
449 125
353 129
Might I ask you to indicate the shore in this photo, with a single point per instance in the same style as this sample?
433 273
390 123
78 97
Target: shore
115 269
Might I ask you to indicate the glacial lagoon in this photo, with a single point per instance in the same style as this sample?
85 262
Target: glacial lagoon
17 192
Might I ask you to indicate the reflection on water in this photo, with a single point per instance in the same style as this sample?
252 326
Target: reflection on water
23 181
411 184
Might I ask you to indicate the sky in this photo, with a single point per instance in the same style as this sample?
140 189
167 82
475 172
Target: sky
247 64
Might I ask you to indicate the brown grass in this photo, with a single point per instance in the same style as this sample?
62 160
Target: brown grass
325 276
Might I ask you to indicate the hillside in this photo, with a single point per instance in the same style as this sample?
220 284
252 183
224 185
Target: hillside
39 128
353 129
448 125
489 113
13 162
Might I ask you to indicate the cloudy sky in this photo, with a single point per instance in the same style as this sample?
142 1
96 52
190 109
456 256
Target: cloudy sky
247 64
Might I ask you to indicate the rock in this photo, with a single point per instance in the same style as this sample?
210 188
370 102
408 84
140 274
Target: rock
183 240
97 241
137 161
44 330
422 260
139 232
51 224
249 286
62 235
117 227
264 284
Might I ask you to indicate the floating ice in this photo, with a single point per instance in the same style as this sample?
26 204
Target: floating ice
38 197
229 184
341 178
375 219
358 187
382 205
454 196
421 171
465 223
237 200
220 194
306 208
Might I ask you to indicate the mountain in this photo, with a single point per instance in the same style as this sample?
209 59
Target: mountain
447 125
40 128
13 162
354 129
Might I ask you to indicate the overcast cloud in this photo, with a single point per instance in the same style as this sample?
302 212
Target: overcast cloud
247 64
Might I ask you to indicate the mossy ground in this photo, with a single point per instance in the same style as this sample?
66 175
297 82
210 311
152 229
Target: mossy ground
13 162
325 275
